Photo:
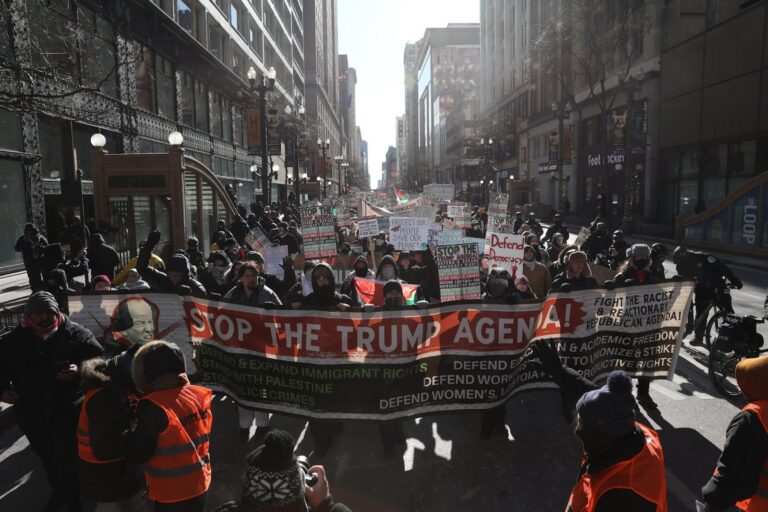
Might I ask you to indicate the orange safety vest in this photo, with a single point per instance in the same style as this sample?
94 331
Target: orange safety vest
643 474
84 450
759 501
180 469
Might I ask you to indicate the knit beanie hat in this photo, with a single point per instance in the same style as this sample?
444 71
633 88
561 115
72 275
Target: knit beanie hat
752 377
100 278
41 302
254 256
155 359
273 478
609 410
178 263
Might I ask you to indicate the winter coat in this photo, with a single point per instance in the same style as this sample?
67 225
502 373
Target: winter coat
584 282
109 412
159 281
328 297
539 279
102 258
31 248
260 296
29 366
555 228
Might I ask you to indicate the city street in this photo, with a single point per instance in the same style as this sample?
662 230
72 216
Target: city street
446 466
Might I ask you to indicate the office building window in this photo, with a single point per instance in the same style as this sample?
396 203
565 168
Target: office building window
187 99
201 106
13 209
10 130
216 115
186 15
145 79
166 88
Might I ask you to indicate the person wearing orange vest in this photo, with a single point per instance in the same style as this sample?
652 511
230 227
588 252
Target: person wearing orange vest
741 475
105 476
623 463
172 428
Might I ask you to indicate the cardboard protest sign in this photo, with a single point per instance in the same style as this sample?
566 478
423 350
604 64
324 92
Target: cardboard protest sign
383 223
407 362
371 291
459 269
257 240
433 233
581 237
498 229
368 226
273 260
461 214
498 204
319 232
427 212
506 250
450 236
409 233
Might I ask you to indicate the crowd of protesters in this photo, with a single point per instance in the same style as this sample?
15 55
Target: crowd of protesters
110 411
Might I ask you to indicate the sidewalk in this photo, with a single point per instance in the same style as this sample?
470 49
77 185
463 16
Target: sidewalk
13 287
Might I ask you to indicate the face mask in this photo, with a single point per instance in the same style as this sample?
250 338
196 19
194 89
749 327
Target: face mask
393 302
379 242
530 265
641 264
387 272
361 272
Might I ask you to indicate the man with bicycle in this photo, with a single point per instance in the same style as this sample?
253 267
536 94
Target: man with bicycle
710 275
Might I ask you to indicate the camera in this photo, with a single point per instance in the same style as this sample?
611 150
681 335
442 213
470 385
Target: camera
304 465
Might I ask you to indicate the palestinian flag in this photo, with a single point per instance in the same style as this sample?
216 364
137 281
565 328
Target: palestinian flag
372 292
400 195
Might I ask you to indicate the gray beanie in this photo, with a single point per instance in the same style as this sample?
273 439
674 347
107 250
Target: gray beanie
40 302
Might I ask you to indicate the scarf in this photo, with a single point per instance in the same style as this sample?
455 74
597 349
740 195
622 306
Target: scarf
43 332
217 273
530 265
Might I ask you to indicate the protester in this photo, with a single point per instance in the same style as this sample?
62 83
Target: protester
56 284
232 250
171 413
427 276
213 279
101 283
541 255
102 258
195 255
40 362
556 245
77 266
517 222
741 474
277 285
105 415
576 276
659 253
556 227
623 463
155 261
176 280
534 224
133 282
617 252
387 269
274 480
598 242
30 244
523 288
362 271
539 278
221 227
285 238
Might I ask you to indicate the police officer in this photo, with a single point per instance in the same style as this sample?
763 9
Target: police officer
710 274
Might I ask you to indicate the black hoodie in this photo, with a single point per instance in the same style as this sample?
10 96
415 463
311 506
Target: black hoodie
326 296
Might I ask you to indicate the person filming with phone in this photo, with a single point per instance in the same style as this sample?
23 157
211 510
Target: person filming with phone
40 363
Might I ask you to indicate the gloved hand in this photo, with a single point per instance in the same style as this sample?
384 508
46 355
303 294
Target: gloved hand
422 304
565 287
610 285
369 307
287 264
183 290
153 239
738 284
550 361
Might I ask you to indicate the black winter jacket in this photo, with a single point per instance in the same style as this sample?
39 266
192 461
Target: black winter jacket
102 258
29 365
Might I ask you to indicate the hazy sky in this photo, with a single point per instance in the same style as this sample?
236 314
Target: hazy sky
374 34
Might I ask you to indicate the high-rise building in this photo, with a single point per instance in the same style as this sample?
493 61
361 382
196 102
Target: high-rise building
348 111
146 69
400 143
409 164
321 66
364 164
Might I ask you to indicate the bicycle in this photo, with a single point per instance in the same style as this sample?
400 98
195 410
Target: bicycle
737 339
721 305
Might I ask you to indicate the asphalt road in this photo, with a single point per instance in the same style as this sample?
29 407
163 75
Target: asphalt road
446 466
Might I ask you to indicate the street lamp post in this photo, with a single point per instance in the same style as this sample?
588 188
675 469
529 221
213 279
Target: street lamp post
339 159
323 146
343 176
487 147
267 84
298 123
562 111
631 172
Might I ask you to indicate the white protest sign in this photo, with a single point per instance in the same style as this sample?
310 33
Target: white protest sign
581 237
460 214
498 204
498 229
428 212
368 226
450 236
273 260
409 233
506 250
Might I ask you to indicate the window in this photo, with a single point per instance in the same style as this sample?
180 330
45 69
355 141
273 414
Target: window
215 41
13 209
98 55
234 16
54 39
186 16
10 130
216 114
51 134
226 119
239 132
166 88
145 80
201 106
187 99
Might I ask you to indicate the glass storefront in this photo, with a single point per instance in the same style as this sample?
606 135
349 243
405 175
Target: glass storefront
13 210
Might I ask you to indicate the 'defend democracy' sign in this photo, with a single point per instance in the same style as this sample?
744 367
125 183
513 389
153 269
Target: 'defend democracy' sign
396 363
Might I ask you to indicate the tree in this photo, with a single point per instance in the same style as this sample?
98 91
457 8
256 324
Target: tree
56 54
